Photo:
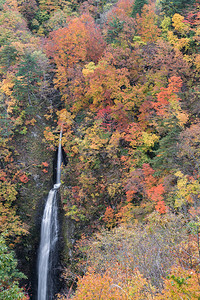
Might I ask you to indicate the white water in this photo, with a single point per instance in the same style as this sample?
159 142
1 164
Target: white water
49 235
59 160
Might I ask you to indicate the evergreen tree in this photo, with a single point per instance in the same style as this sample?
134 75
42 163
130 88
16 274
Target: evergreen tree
6 123
8 57
27 77
166 154
137 7
115 27
170 7
9 275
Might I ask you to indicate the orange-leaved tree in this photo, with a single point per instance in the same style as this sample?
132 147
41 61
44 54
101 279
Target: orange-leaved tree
78 42
115 283
181 284
146 24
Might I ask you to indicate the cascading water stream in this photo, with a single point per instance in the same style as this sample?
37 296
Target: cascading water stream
49 237
59 160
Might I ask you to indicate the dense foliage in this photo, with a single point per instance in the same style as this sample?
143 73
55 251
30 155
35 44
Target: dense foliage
9 275
122 80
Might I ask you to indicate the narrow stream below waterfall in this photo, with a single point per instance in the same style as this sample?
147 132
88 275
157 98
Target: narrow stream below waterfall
49 237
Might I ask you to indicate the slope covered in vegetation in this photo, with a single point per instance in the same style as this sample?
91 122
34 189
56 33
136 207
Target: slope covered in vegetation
122 79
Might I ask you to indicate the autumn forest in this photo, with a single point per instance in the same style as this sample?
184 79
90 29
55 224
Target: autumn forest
121 78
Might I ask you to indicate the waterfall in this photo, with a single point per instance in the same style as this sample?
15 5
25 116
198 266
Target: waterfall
49 237
59 161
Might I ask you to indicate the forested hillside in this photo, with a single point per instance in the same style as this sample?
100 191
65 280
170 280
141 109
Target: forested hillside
121 78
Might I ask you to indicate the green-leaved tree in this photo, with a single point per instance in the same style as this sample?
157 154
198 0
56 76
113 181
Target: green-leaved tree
9 275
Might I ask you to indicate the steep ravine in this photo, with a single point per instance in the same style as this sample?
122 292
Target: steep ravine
32 152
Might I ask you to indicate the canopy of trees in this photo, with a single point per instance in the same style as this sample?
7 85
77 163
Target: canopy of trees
122 79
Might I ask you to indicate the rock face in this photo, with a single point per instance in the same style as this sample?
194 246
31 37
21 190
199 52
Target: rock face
32 153
40 165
